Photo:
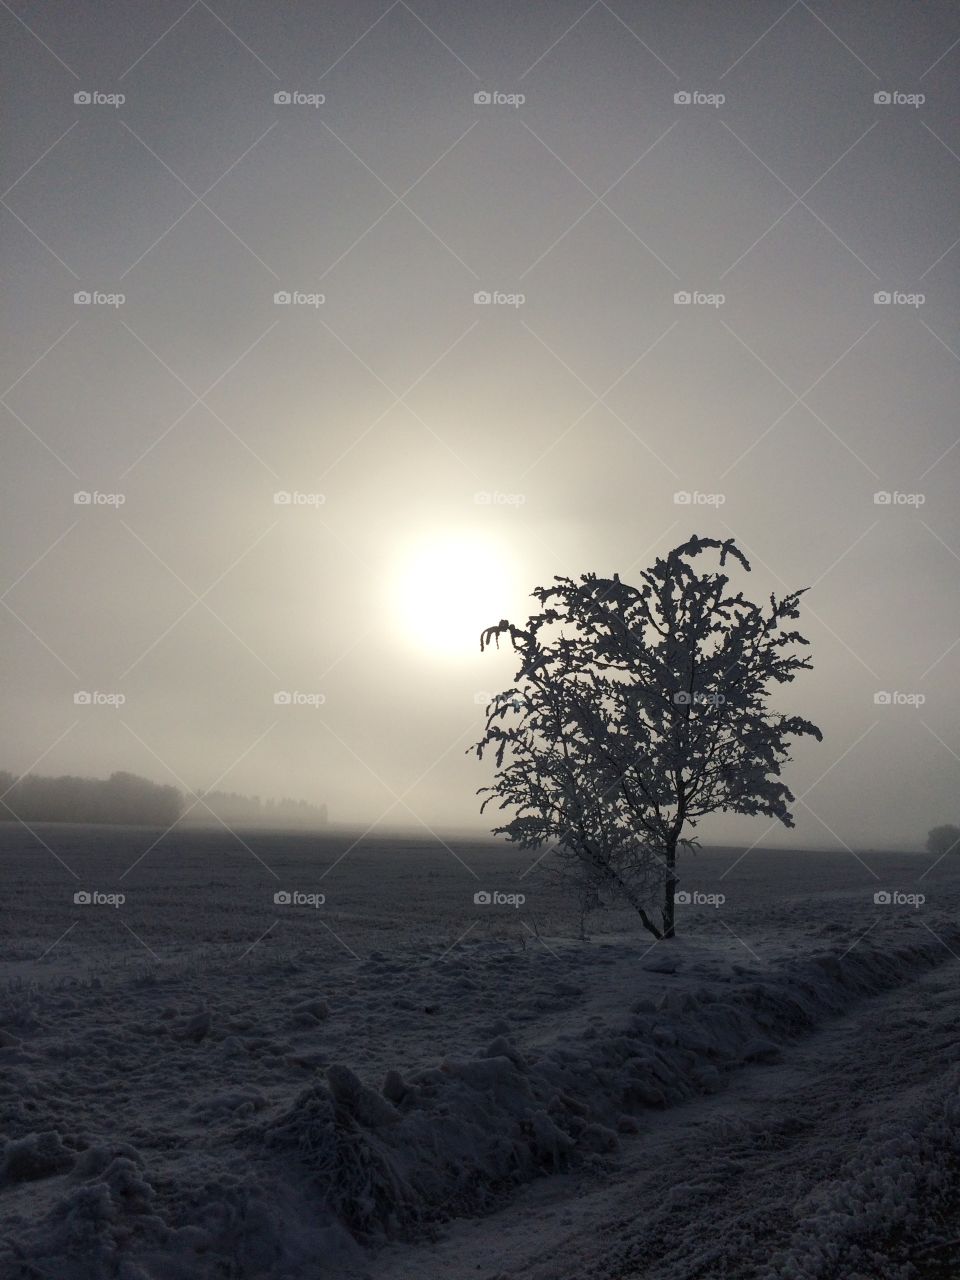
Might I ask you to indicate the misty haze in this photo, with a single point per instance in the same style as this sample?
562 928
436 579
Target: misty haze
479 780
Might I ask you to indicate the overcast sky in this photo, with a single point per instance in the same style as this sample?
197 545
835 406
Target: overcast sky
579 402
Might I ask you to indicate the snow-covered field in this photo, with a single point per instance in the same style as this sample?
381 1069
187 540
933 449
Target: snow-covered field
199 1081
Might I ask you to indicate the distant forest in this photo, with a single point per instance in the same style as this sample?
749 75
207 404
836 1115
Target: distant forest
252 811
125 798
122 798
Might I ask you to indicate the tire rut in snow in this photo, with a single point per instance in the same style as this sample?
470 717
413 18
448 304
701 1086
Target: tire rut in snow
712 1188
847 1174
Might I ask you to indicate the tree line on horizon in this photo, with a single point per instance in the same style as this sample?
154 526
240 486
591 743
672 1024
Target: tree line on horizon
127 799
232 807
945 839
123 798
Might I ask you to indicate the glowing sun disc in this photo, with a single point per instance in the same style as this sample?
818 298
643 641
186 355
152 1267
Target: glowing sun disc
447 589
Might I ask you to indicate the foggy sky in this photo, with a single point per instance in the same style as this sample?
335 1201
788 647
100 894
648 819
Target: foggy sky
399 399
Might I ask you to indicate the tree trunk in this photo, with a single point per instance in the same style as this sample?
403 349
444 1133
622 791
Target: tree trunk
669 890
645 919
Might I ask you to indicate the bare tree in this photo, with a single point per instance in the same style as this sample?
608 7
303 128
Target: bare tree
635 712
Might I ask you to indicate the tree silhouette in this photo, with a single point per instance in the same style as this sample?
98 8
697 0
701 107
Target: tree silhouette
637 711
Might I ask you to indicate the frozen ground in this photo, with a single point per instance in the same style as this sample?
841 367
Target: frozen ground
402 1083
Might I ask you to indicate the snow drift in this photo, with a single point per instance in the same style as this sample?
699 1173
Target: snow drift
303 1188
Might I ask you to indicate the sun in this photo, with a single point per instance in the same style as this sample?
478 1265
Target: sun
446 589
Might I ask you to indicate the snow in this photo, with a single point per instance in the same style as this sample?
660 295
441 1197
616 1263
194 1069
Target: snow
412 1084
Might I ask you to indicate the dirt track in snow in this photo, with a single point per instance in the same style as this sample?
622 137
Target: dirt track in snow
727 1186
